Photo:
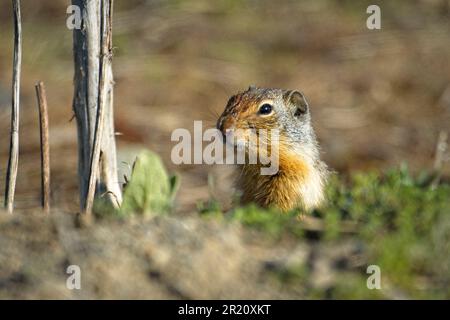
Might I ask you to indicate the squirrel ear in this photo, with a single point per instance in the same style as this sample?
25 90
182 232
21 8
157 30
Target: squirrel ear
297 100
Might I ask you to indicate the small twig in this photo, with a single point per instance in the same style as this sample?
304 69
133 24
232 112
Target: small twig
117 203
106 34
13 161
441 150
440 157
444 99
45 147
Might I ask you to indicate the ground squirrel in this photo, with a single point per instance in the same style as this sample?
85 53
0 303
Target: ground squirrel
301 177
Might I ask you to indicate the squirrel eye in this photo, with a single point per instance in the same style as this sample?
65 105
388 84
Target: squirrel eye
265 109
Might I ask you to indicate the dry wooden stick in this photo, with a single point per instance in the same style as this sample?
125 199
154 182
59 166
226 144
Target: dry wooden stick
440 157
106 49
13 161
441 150
45 147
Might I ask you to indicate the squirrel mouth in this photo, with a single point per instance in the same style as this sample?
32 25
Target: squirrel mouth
238 140
229 138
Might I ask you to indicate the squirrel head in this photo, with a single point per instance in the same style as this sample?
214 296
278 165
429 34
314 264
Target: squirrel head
262 108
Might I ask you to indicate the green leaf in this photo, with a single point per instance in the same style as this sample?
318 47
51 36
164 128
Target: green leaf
150 190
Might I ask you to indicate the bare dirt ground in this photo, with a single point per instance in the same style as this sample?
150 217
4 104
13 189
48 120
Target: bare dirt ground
160 258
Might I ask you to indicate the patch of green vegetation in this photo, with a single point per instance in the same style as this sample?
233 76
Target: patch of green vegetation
270 221
403 220
348 286
291 274
398 216
150 189
210 209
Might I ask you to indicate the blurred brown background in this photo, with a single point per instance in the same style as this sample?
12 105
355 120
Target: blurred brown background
378 97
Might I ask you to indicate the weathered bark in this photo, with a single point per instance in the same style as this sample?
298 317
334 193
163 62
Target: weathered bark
13 161
88 57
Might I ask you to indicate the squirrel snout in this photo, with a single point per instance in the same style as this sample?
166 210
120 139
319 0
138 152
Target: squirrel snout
219 124
225 124
226 127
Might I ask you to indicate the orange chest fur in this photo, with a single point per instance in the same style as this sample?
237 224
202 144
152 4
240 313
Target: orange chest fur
281 190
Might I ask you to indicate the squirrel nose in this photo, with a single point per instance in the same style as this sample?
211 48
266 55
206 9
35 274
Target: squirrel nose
219 124
225 124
